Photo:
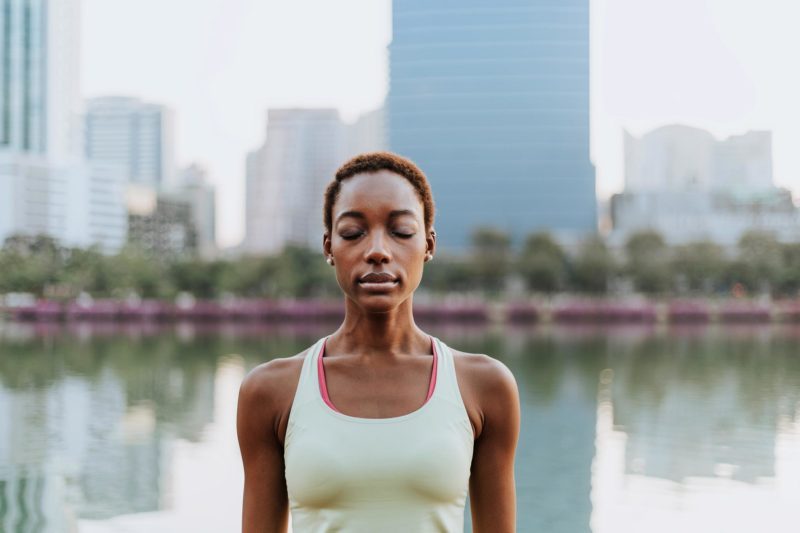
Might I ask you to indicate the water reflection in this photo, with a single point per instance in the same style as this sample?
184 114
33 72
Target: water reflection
704 406
698 432
87 420
642 428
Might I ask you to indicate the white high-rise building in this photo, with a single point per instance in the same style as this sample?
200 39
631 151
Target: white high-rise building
287 176
367 133
133 135
40 103
688 186
45 184
78 204
682 158
743 163
32 195
193 184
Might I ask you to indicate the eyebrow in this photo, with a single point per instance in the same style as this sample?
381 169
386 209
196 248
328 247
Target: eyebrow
359 214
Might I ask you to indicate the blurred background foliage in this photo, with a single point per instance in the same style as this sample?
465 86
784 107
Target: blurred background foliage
645 264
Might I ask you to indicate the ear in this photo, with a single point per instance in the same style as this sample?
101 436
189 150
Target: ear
430 242
326 244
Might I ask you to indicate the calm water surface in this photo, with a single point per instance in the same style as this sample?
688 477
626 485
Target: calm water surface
624 429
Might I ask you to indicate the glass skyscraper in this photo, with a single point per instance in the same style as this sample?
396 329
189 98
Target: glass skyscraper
492 101
46 185
39 78
135 135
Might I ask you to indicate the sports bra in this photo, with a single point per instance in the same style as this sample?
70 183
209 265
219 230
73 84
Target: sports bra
408 473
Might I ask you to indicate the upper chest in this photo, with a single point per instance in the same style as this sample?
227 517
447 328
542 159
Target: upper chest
379 390
383 391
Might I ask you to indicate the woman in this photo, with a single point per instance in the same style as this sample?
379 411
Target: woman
395 427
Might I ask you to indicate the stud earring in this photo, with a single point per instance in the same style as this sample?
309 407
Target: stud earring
330 260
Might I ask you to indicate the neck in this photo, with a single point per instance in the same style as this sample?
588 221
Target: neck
378 334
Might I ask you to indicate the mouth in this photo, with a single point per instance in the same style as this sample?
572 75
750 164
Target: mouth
378 285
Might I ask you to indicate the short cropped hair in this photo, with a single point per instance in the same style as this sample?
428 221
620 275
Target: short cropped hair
373 162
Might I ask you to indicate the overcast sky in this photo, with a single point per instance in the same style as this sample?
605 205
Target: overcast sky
724 65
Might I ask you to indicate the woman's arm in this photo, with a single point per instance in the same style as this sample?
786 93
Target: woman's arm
492 493
265 507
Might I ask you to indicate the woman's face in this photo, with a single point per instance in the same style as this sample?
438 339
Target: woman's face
378 226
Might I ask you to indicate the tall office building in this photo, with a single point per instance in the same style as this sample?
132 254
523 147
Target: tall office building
40 102
39 114
45 184
133 135
689 186
367 133
492 101
193 184
78 204
682 158
287 176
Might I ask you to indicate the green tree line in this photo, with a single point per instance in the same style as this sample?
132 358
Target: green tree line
645 264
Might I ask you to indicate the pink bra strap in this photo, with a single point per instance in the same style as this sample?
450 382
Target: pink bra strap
323 387
433 372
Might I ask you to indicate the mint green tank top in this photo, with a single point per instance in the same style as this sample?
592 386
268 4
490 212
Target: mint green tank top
408 473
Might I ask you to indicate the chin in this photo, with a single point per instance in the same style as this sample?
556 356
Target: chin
378 302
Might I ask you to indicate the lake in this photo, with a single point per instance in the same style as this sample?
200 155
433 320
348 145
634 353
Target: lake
107 429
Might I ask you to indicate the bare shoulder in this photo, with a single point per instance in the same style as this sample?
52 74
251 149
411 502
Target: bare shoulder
483 372
267 379
487 386
267 392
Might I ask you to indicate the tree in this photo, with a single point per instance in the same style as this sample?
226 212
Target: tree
592 267
542 263
699 264
87 270
647 261
30 263
137 270
788 283
14 276
758 265
302 272
491 257
248 276
200 278
446 273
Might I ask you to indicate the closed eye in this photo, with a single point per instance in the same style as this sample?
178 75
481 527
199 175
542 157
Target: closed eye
354 236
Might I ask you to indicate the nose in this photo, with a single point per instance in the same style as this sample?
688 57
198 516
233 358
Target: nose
377 250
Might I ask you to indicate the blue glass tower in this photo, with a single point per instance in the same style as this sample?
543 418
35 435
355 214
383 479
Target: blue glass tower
491 100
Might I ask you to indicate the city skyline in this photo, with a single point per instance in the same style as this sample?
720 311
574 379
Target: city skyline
723 74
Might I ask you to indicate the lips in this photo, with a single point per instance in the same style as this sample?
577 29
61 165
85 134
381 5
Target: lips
377 277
